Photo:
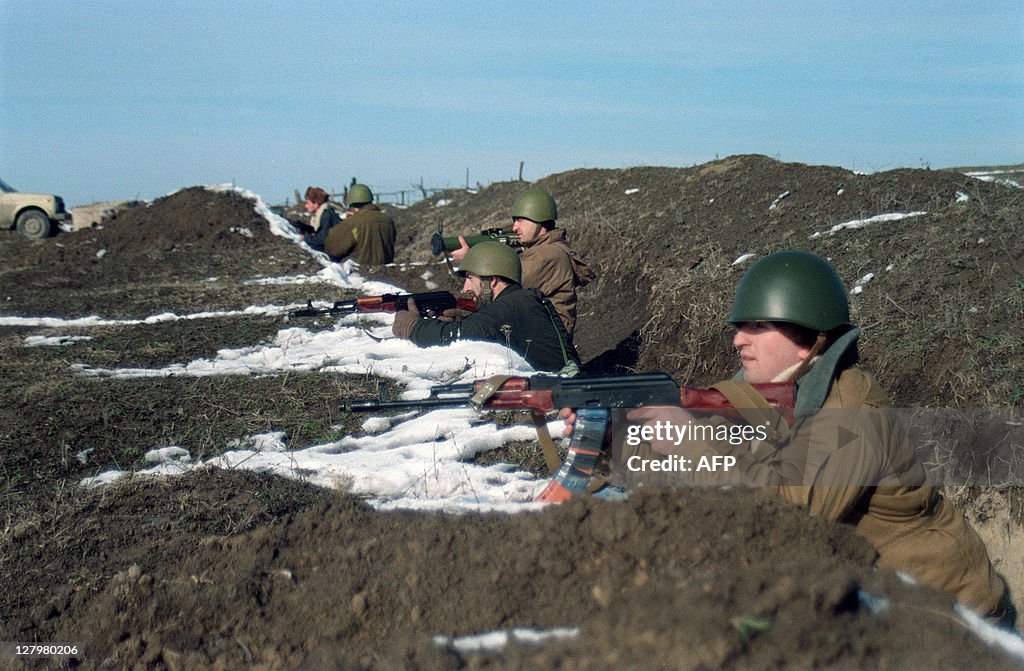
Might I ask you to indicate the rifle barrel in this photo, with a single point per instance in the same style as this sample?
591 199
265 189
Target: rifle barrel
336 308
440 397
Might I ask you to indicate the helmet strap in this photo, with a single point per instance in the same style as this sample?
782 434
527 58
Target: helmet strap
485 291
819 344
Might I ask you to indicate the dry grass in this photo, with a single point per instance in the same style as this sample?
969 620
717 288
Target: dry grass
687 319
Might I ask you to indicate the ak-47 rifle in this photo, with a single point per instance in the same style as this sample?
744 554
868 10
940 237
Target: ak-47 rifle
592 397
430 303
440 244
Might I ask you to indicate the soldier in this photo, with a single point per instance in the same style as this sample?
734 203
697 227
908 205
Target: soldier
323 218
367 233
844 458
549 265
507 313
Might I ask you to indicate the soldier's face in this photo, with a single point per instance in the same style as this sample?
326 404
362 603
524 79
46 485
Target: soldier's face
766 350
526 229
310 206
473 285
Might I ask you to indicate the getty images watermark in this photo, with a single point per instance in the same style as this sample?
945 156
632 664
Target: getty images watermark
864 447
665 432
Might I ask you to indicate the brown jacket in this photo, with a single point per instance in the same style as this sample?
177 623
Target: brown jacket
552 268
847 459
860 468
368 236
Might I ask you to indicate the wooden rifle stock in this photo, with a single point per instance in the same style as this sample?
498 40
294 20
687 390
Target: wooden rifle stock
711 401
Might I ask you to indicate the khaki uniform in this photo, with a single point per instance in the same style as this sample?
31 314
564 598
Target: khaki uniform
847 460
552 268
368 236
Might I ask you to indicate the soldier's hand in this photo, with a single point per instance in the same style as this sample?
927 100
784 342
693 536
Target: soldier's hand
412 308
667 415
460 253
405 320
453 315
568 416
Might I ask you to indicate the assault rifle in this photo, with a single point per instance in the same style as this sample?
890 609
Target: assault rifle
440 244
592 397
430 303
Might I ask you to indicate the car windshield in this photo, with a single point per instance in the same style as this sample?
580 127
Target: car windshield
6 188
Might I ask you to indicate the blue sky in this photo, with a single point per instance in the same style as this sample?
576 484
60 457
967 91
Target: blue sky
103 100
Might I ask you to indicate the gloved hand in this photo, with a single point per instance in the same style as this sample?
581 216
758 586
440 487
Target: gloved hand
453 315
405 320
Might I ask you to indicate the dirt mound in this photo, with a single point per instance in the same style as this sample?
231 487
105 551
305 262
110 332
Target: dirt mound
943 306
693 579
191 235
191 219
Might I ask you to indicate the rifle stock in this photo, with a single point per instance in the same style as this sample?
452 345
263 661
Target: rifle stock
592 396
430 303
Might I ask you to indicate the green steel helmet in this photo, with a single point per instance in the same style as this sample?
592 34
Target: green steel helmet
359 194
536 205
794 287
491 258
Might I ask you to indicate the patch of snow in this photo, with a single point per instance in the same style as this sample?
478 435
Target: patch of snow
775 203
495 641
859 287
53 341
166 455
863 223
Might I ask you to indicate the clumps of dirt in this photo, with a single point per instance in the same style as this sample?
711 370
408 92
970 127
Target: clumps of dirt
650 582
89 537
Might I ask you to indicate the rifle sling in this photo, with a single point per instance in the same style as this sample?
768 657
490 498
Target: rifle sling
489 387
596 483
547 445
755 410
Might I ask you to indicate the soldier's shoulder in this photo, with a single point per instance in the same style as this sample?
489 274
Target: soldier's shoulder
859 387
549 252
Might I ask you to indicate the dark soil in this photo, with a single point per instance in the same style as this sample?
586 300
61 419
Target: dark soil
224 569
228 570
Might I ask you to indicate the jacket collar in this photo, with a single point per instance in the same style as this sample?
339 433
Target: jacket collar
547 237
814 386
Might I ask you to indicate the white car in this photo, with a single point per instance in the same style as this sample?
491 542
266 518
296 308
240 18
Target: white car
36 215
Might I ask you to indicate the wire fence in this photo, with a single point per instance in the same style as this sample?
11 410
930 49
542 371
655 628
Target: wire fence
400 198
